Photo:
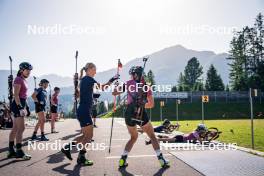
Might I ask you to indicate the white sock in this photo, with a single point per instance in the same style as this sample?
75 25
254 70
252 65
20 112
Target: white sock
158 152
125 153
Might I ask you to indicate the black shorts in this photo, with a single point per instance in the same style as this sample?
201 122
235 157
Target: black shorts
84 115
179 138
94 113
14 109
54 109
130 117
39 108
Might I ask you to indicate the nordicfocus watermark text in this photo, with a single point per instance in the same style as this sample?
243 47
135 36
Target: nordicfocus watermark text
59 29
198 146
134 88
197 30
57 145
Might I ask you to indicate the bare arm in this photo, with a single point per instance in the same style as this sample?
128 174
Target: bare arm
34 96
51 100
150 103
106 85
16 93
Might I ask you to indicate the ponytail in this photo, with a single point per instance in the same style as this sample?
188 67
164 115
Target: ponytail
87 67
81 73
19 73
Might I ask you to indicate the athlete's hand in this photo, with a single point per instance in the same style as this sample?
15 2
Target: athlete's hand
22 111
77 94
116 77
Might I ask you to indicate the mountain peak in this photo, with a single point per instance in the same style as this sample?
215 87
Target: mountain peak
176 47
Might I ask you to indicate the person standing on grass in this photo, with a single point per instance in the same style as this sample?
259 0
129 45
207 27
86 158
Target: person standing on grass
54 109
40 98
84 110
18 112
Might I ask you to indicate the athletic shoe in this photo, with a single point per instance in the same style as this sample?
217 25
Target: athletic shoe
43 138
11 154
95 126
163 162
81 160
34 137
21 154
54 131
122 161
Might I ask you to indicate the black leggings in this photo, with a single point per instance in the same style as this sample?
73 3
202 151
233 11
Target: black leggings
179 138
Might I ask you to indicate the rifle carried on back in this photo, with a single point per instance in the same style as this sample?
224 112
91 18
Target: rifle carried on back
35 83
49 112
76 84
141 98
10 84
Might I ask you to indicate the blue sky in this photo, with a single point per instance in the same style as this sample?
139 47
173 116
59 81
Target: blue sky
123 29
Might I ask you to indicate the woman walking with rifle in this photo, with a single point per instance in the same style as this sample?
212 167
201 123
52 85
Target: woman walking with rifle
18 110
84 110
135 116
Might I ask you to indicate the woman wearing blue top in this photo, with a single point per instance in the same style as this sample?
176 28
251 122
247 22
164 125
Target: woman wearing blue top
40 98
84 110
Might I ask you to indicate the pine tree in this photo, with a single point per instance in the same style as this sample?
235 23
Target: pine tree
227 88
198 86
174 89
150 78
259 27
192 72
247 57
214 81
239 67
181 84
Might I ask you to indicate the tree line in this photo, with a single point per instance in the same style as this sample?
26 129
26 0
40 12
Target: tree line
247 57
246 62
190 79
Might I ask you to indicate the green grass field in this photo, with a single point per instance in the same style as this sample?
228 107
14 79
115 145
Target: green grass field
241 129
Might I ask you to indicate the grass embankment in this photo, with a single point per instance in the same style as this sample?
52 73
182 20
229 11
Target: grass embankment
241 131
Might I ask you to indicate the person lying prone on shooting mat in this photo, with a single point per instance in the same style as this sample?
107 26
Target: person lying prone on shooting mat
190 137
165 127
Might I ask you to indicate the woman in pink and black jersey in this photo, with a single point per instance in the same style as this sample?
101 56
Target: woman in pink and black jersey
54 109
18 109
